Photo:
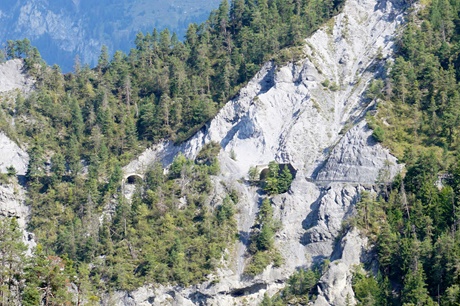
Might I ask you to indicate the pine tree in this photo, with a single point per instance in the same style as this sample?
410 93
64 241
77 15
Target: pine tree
47 280
12 262
103 61
35 168
415 291
285 180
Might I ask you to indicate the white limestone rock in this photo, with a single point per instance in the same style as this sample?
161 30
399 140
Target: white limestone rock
288 115
12 155
13 195
335 284
358 158
12 76
12 199
12 205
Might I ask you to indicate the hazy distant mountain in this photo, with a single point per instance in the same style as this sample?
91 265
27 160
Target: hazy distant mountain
61 29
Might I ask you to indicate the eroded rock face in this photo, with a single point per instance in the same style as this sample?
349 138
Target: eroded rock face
12 155
358 158
12 194
12 205
334 287
295 114
13 77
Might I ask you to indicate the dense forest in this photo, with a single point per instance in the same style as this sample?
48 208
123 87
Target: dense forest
415 222
82 127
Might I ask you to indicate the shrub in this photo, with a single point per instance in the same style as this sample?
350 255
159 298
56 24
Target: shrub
258 263
379 134
11 171
208 157
277 181
208 154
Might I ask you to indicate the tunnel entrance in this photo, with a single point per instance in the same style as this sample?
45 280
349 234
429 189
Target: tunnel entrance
134 179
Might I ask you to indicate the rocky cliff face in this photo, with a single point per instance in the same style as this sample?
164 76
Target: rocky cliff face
12 77
63 29
309 114
12 193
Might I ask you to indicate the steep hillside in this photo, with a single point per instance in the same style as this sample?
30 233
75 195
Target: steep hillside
13 159
196 222
80 128
63 29
309 114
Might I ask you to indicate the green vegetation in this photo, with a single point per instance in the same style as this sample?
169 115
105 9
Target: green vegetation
12 259
369 291
332 86
262 246
275 181
40 279
414 223
82 127
300 289
253 174
414 228
168 234
208 156
379 134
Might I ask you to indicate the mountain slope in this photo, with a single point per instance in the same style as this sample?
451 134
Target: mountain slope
297 114
308 114
13 195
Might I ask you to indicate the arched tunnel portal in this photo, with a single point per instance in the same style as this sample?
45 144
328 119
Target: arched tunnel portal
133 178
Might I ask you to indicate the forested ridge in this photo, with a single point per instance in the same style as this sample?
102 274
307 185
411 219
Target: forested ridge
415 222
82 127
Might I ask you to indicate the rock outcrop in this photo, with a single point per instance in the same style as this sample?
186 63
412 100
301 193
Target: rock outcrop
12 155
358 158
12 193
12 205
309 114
13 77
334 287
297 114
